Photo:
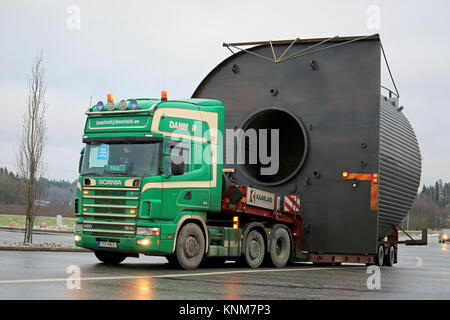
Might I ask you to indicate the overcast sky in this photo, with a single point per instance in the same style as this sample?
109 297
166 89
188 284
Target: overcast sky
133 48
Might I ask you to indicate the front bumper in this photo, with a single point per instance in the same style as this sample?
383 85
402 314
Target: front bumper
157 246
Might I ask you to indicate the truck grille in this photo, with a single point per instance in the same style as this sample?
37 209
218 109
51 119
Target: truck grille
112 193
110 201
109 211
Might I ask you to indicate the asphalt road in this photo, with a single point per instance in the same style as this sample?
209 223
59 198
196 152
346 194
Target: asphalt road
422 273
38 237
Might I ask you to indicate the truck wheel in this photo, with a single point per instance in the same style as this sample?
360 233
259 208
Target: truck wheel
379 258
255 249
389 260
280 247
110 257
190 246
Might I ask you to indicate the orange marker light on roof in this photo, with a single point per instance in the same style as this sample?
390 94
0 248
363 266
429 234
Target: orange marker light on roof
163 95
110 104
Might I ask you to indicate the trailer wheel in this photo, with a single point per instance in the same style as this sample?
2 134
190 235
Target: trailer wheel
379 258
255 249
280 247
190 246
110 257
389 260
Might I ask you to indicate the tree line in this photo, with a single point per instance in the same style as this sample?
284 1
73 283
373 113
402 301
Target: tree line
431 209
59 193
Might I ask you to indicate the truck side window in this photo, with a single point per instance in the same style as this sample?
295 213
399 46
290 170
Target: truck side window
178 148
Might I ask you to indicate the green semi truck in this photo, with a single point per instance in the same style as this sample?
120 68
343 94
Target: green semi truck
153 179
152 182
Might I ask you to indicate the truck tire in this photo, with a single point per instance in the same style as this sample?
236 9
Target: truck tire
389 260
280 247
190 246
255 249
379 258
110 257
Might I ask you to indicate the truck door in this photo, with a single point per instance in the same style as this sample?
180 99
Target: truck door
188 191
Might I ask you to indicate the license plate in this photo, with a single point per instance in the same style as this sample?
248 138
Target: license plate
106 244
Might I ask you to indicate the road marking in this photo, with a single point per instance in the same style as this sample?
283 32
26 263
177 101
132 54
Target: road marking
419 262
177 275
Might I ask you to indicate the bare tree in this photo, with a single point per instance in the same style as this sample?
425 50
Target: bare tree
29 156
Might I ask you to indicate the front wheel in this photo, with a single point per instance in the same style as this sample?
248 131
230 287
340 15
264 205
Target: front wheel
255 249
110 257
190 246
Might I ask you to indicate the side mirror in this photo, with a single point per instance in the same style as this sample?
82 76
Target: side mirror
177 165
80 162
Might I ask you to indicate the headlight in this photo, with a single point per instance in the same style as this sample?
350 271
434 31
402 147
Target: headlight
147 231
78 227
143 242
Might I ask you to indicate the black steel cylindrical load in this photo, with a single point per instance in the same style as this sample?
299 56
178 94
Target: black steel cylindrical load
326 103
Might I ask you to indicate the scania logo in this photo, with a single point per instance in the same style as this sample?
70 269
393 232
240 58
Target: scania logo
110 182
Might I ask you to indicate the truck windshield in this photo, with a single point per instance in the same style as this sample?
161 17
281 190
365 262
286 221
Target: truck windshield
121 159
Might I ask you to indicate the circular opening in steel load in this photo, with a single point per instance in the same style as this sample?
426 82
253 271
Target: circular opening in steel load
292 145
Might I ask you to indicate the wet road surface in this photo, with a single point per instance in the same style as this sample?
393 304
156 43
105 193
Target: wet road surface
422 273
